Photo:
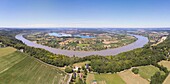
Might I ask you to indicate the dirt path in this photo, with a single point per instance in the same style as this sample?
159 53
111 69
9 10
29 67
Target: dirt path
70 75
161 40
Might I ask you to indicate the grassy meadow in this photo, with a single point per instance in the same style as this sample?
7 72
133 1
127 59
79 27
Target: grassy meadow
104 79
80 64
147 71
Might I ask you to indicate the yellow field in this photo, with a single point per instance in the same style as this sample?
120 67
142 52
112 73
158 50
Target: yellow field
6 51
165 64
167 80
130 78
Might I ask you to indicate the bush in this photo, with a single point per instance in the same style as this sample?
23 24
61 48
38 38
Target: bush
135 70
68 70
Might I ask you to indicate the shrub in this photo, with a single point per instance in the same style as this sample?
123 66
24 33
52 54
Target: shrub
135 70
68 69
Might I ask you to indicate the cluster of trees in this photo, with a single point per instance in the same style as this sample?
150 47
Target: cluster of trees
157 78
126 60
135 70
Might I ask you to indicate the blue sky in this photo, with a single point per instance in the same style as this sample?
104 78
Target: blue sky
84 13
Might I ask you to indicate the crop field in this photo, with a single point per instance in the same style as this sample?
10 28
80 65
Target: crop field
18 68
109 79
165 64
130 78
105 79
147 71
6 51
166 81
9 60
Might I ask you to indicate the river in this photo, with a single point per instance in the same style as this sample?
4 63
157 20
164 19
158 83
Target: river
141 41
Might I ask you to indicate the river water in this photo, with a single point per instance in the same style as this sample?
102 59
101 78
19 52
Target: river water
137 44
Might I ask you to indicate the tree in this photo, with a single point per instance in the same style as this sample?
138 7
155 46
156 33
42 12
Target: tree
135 70
68 69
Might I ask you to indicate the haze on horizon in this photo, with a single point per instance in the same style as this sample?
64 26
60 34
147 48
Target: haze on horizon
85 13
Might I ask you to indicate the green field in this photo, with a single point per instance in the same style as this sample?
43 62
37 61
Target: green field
8 61
18 68
147 71
105 79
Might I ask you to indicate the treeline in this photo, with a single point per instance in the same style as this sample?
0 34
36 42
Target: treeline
126 60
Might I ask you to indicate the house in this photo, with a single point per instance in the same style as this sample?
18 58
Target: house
75 68
21 50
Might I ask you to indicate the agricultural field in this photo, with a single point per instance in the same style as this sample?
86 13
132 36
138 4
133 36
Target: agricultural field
105 79
165 64
6 51
147 71
166 81
90 78
18 68
130 78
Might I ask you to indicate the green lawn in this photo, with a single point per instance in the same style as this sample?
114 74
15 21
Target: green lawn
147 71
108 79
18 68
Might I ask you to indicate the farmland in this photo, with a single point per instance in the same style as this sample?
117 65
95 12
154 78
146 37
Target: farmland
105 79
147 71
7 50
130 78
167 65
18 68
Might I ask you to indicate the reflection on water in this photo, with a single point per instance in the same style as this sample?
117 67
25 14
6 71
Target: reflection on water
69 35
137 44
